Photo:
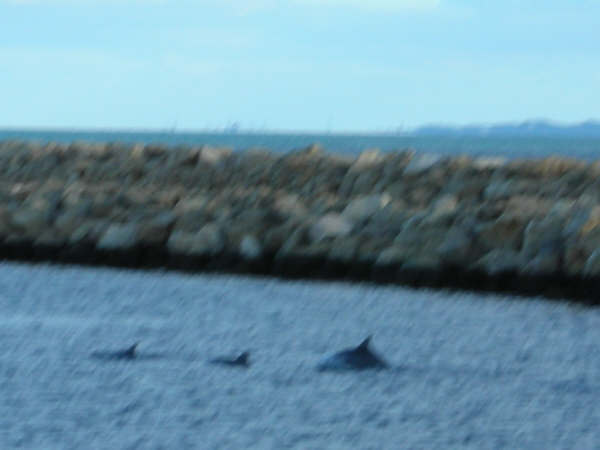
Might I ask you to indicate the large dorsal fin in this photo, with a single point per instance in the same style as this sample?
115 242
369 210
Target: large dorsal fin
131 350
364 345
242 360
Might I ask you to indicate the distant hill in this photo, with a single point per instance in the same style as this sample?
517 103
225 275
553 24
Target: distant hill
590 128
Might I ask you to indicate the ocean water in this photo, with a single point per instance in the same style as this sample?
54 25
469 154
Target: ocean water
470 371
511 147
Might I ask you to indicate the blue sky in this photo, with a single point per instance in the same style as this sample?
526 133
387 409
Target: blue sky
341 65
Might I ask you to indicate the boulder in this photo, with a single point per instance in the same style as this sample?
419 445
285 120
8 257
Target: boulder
330 225
31 222
69 220
155 230
544 263
367 159
575 258
362 208
296 238
417 244
592 265
502 188
389 220
443 211
420 163
119 237
344 249
89 231
250 248
290 205
208 241
213 156
394 255
500 260
51 238
543 235
506 232
528 206
459 247
489 162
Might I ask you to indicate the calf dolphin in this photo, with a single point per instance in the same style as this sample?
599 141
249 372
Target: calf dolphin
357 358
128 353
240 361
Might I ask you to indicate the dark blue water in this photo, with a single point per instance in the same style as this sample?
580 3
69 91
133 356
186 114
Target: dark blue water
471 371
512 147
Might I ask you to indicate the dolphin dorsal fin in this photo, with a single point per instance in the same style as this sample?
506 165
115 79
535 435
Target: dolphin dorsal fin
131 350
242 359
364 345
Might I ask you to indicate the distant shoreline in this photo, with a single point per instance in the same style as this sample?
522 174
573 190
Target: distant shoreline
528 128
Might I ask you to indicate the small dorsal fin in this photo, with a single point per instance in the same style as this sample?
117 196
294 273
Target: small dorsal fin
242 359
131 350
364 345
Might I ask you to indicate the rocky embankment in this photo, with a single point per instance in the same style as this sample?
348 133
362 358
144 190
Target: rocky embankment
529 226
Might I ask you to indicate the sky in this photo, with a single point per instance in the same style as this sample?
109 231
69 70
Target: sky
296 65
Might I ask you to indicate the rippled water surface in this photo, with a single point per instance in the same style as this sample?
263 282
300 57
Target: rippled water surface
471 371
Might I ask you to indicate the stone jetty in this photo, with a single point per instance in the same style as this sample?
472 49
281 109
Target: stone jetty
522 226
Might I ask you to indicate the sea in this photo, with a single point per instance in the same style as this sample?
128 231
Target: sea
468 370
510 147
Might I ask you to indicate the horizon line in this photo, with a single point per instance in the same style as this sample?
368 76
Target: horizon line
229 129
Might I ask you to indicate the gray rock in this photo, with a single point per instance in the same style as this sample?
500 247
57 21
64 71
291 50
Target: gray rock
192 220
88 231
290 205
344 249
119 237
592 265
545 263
51 238
156 230
443 211
389 220
421 163
506 232
502 189
362 208
367 159
70 220
500 260
208 241
542 235
392 256
418 244
489 162
459 247
275 237
30 221
180 242
250 248
330 225
298 238
213 156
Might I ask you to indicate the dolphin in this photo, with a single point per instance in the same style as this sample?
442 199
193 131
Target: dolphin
357 358
240 361
126 354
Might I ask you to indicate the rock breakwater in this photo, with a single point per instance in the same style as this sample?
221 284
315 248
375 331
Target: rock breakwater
528 226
